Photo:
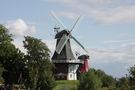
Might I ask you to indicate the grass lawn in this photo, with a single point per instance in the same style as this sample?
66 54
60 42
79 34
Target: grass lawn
66 85
69 85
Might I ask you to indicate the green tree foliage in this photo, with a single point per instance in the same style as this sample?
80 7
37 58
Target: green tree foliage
123 83
132 77
4 35
89 81
39 65
11 58
5 44
107 80
1 72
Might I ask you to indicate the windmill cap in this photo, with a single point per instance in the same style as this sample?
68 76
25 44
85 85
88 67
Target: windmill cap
61 33
82 57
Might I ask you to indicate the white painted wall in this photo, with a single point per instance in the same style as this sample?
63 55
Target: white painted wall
72 75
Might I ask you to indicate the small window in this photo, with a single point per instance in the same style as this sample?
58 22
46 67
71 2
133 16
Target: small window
70 75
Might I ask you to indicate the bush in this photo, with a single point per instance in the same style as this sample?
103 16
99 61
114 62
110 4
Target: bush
89 81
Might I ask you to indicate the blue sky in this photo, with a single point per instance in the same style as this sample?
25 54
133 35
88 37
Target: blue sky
106 28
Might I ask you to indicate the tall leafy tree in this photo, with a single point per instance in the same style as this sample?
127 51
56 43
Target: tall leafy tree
90 81
11 58
132 77
39 65
1 72
123 83
5 44
107 80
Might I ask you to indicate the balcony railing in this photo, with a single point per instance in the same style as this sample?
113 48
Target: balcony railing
68 61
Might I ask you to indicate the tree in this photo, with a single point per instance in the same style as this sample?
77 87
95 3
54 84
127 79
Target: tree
1 72
39 65
89 81
132 77
5 44
123 83
107 80
11 58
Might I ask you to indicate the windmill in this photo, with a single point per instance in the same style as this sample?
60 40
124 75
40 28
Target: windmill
63 58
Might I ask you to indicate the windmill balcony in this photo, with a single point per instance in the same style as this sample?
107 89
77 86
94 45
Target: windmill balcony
68 61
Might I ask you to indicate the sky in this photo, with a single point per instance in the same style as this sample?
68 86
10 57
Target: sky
106 28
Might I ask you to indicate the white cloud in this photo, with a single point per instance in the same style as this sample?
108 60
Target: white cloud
118 15
19 44
100 1
20 28
103 11
114 61
116 41
128 44
86 1
123 54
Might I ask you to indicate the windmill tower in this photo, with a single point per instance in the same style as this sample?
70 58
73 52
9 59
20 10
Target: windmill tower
66 65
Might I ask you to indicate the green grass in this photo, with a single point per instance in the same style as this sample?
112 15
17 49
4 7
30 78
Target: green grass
69 85
66 85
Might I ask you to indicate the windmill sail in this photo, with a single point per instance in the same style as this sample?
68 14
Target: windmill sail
58 20
79 44
75 23
64 38
62 43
